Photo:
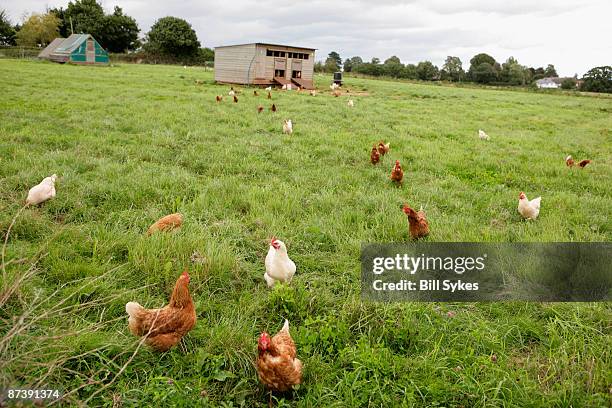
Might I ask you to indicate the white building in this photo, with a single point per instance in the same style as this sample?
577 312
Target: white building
551 82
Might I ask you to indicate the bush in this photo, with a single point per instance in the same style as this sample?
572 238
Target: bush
568 83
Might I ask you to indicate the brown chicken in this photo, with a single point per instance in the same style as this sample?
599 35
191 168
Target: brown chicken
269 95
164 327
168 223
273 108
337 93
259 109
235 99
418 225
219 98
277 365
374 155
255 93
383 148
397 174
569 161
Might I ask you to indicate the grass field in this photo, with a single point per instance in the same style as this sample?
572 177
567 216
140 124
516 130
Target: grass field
131 143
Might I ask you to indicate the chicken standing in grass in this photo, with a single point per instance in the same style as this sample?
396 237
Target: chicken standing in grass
273 108
269 88
529 209
569 161
350 103
482 135
219 98
235 99
43 191
313 92
279 267
255 93
232 92
287 127
277 364
418 226
397 174
374 155
269 95
259 109
168 223
383 148
164 327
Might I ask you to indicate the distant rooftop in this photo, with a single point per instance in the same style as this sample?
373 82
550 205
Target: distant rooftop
271 45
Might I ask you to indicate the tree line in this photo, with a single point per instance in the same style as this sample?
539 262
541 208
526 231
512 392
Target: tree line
483 69
171 38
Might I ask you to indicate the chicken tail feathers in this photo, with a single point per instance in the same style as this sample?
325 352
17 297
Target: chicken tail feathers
286 326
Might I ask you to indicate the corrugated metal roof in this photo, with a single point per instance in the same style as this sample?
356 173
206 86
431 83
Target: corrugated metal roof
51 47
272 45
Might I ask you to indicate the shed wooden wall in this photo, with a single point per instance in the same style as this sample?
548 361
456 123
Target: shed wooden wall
268 62
232 64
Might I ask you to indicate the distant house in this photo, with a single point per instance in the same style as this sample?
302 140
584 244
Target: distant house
550 82
265 64
77 49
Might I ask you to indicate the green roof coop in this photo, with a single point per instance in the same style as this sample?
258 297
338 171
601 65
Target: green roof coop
77 49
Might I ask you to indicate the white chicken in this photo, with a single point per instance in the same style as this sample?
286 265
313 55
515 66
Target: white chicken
279 268
288 127
269 88
313 93
529 209
43 191
334 86
350 103
482 135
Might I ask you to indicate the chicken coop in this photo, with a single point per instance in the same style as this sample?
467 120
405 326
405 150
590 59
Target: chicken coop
77 49
265 64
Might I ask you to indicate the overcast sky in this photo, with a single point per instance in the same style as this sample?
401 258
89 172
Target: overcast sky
573 35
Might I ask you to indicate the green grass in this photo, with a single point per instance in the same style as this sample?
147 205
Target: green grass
131 143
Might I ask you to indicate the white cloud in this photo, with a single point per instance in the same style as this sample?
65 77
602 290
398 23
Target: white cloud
574 36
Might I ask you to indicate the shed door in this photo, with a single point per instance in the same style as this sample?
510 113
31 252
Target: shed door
280 63
90 53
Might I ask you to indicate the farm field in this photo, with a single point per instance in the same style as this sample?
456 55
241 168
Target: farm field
131 143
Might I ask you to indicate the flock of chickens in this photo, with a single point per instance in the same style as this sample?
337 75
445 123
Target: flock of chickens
277 364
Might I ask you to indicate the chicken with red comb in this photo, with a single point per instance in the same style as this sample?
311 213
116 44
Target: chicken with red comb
417 222
279 267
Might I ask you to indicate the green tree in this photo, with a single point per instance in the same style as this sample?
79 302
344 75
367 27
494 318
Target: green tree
86 15
550 71
568 83
333 62
393 67
409 71
598 79
478 60
512 72
351 63
375 60
453 69
38 29
484 73
207 54
426 71
8 35
172 36
118 32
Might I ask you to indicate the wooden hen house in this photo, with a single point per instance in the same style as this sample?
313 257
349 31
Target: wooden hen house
265 64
